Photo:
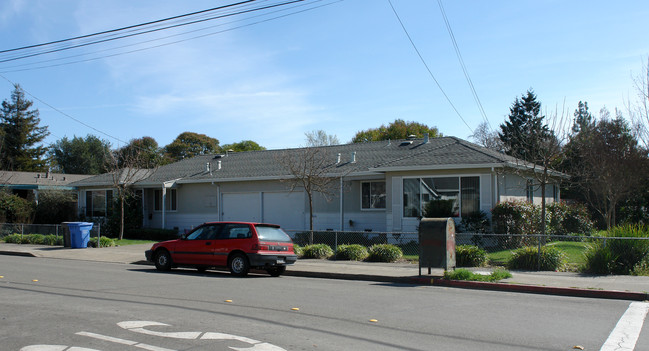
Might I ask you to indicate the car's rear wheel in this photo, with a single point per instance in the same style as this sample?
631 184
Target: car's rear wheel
276 271
163 260
239 265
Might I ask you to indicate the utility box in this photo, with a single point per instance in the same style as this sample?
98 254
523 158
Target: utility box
436 243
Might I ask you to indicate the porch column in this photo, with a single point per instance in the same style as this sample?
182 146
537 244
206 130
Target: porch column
164 201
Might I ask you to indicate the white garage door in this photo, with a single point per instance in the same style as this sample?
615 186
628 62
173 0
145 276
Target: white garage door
285 208
244 207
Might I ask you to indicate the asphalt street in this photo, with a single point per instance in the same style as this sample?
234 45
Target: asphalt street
109 306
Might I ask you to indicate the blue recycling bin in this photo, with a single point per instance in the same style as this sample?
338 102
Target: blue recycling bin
79 234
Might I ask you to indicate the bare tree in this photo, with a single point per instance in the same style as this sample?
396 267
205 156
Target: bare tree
639 111
312 169
320 138
126 168
483 135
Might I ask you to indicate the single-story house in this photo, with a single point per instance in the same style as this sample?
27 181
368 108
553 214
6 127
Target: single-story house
28 184
378 186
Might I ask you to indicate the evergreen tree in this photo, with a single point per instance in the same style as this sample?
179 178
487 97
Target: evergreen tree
79 155
21 135
525 133
399 129
583 118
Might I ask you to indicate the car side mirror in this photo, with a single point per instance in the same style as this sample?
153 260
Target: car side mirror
183 237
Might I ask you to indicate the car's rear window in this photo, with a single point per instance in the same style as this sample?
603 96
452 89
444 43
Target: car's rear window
271 234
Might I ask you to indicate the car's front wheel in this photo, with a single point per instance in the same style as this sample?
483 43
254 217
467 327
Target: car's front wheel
239 265
163 260
276 271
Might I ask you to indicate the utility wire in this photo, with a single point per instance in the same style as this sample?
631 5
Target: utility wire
426 65
147 31
167 37
461 60
125 28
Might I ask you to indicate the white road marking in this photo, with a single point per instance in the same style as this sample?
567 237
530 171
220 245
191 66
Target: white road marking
124 342
139 327
628 328
54 348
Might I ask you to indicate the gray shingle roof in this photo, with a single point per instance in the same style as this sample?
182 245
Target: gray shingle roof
37 179
371 157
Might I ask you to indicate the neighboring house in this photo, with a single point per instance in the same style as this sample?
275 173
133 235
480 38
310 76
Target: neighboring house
28 184
380 186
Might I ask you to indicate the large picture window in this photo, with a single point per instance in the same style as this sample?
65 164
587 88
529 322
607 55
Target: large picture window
98 203
453 196
373 195
170 203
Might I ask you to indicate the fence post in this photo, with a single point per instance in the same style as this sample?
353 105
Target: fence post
538 254
335 244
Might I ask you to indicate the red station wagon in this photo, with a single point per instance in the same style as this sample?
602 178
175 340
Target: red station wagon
239 246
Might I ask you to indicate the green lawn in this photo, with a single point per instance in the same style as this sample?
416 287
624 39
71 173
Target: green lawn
574 252
125 242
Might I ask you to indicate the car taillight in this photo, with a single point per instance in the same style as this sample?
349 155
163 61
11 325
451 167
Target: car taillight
259 247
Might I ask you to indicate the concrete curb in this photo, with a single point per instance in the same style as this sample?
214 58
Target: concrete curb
462 284
17 253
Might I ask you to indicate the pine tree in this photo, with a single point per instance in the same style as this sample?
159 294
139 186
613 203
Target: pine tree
525 133
21 135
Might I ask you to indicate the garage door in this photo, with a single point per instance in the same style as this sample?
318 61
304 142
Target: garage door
285 208
244 207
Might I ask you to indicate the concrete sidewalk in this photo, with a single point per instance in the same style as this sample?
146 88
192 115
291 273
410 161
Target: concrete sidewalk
556 283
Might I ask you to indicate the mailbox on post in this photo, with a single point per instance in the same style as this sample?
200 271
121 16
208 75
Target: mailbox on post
436 243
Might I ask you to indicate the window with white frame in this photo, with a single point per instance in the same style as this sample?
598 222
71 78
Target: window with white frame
170 200
373 195
461 195
98 203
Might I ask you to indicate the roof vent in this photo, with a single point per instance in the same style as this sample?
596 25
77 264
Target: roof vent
207 167
426 138
405 143
218 166
338 159
411 137
353 157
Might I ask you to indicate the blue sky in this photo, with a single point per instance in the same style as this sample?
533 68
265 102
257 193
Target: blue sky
344 67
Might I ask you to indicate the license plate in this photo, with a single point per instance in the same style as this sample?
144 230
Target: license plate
280 261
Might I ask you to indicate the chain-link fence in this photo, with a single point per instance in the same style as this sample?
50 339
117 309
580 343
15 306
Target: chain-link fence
499 246
43 229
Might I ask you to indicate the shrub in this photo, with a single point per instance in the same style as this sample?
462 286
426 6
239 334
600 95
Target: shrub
514 217
15 209
384 253
619 256
298 250
317 251
353 252
465 274
12 238
526 258
53 240
36 239
103 242
470 256
475 222
56 206
439 209
569 218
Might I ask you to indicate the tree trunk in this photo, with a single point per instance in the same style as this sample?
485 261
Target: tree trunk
310 217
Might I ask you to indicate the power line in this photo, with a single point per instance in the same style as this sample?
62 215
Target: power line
143 32
461 60
426 65
167 37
